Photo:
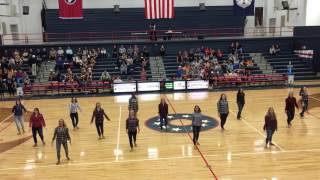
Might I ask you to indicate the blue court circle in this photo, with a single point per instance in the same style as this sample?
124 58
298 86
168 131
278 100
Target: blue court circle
207 123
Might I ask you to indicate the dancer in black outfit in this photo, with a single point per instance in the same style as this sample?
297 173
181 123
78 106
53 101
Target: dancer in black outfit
304 100
163 113
196 124
133 103
270 125
291 103
132 128
240 102
223 109
98 115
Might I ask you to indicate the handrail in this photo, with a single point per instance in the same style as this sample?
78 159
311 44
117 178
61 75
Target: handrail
144 34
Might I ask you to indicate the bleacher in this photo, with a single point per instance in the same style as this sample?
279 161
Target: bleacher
171 65
301 69
109 64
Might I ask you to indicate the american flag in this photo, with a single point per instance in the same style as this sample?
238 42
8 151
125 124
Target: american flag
158 9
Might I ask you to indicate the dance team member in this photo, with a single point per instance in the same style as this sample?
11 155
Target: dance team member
196 124
133 104
304 100
18 111
240 102
98 115
132 128
37 123
270 125
163 113
73 109
223 109
291 103
61 135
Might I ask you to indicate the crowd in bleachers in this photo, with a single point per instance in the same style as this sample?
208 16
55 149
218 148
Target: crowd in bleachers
12 74
128 59
205 62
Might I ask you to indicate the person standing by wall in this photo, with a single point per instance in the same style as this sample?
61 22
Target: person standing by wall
270 125
240 102
304 100
61 135
18 111
291 103
223 109
98 115
163 113
36 124
133 104
196 124
132 128
73 109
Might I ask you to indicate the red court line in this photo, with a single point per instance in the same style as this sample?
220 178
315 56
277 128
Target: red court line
201 154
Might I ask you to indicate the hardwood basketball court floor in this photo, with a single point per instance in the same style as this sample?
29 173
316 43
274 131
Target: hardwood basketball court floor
235 154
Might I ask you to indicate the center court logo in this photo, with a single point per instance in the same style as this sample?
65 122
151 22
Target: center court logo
70 2
175 126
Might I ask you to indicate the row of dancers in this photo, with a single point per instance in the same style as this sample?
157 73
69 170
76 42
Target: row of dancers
62 136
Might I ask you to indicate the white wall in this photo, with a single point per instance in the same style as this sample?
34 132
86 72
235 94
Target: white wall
313 13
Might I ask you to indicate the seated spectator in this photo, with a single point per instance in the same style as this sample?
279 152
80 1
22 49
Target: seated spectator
146 52
105 76
51 75
114 51
103 52
69 76
143 75
219 54
44 54
60 52
179 57
52 54
117 80
26 79
130 51
122 50
272 50
25 55
123 68
162 50
277 49
69 53
179 73
59 64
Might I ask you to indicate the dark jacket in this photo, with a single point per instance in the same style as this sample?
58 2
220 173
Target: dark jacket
98 116
163 109
291 103
270 123
240 98
18 109
132 124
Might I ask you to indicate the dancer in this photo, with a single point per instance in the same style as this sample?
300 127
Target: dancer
37 123
133 104
163 113
73 108
304 100
61 133
223 109
132 128
196 124
270 125
98 115
18 112
240 102
291 103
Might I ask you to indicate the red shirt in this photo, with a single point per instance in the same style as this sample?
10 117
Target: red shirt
37 121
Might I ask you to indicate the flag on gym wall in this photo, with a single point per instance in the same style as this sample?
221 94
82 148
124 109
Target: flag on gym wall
243 7
158 9
70 9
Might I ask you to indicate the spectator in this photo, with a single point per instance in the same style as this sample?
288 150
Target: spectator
52 54
143 75
179 57
122 50
277 49
69 53
272 50
162 50
123 68
117 80
179 73
60 52
114 51
105 76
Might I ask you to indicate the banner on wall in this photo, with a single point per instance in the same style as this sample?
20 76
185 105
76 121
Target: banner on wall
243 7
70 9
